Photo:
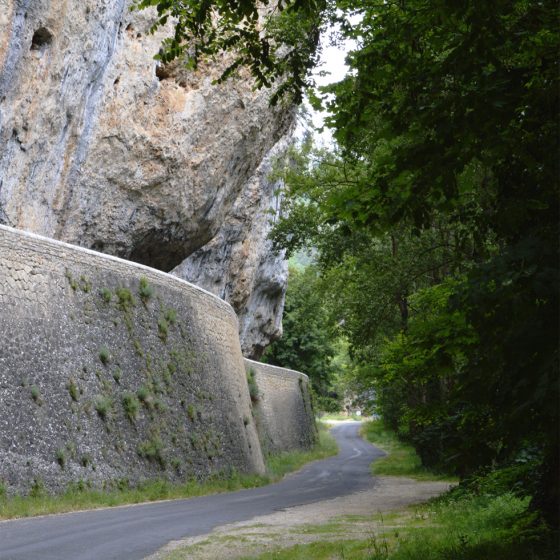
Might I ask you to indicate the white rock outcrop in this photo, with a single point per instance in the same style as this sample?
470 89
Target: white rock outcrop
103 147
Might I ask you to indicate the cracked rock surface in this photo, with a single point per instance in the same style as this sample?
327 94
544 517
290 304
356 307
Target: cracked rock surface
105 148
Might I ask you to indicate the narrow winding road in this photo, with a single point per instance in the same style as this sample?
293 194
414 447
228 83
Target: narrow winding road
134 532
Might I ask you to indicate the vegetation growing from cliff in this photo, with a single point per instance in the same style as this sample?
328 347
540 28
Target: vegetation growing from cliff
279 48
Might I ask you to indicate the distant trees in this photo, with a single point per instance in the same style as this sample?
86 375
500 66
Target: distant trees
309 343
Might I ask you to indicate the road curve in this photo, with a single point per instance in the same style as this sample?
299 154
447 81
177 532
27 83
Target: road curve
134 532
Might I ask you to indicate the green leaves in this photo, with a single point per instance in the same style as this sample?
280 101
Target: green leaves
277 44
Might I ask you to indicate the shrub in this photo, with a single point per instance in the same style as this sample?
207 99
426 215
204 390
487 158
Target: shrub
104 355
145 291
131 406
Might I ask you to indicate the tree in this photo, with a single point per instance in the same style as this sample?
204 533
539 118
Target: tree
449 112
448 115
276 41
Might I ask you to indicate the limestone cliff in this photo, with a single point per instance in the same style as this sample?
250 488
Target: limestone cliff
102 147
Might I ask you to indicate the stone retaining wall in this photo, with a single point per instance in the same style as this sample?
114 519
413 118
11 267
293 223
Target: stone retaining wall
113 371
283 409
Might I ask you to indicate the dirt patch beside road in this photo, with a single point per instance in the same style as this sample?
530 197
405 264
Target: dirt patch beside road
325 520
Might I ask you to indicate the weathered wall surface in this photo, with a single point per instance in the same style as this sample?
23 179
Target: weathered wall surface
110 370
283 409
102 147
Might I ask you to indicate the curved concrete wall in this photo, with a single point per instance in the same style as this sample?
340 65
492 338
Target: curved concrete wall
283 409
110 370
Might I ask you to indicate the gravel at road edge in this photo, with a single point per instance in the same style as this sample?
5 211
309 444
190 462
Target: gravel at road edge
297 525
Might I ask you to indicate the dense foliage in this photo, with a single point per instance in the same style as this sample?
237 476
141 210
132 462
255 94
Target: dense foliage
447 127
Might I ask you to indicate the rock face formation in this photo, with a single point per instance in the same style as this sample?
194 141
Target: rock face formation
239 266
103 147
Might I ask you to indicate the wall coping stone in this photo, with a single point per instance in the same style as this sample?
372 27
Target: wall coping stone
277 370
76 248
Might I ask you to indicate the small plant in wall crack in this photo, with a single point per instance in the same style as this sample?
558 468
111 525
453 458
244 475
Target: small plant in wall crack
152 450
61 457
71 281
163 329
131 406
103 406
171 316
252 384
73 389
117 374
126 300
85 284
104 355
145 291
36 394
145 396
191 412
106 295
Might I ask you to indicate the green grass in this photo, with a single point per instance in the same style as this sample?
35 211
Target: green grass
338 416
79 496
342 550
281 464
471 528
460 525
401 459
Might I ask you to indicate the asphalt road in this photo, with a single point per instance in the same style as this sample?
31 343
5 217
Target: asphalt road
134 532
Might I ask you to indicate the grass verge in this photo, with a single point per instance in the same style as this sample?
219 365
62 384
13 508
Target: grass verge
338 416
491 524
470 528
80 497
401 459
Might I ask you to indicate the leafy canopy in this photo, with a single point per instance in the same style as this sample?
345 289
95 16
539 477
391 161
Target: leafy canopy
276 41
